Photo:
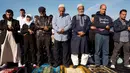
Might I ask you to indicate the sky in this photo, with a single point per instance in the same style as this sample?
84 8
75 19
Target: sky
91 6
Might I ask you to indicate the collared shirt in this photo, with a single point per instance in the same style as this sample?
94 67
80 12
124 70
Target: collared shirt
61 22
21 21
124 36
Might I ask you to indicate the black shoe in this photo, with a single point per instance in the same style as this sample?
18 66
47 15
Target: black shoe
83 65
67 66
75 66
97 65
51 64
55 65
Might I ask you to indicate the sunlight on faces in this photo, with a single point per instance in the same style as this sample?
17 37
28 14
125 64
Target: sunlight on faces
103 8
81 10
123 15
61 10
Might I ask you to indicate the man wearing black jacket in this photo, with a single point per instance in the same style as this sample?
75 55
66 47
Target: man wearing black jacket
43 35
103 23
121 39
9 39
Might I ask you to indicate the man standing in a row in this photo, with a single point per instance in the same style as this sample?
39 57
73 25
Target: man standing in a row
9 39
43 37
121 39
21 20
61 25
103 23
79 44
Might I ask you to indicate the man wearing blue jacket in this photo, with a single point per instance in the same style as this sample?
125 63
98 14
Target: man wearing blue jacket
103 23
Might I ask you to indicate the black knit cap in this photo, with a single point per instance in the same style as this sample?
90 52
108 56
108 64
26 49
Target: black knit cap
41 9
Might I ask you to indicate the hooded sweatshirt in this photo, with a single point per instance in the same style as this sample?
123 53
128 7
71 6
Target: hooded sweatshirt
101 21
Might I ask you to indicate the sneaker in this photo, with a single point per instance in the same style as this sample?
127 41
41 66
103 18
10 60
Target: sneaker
111 61
20 65
3 66
128 66
23 65
112 66
34 65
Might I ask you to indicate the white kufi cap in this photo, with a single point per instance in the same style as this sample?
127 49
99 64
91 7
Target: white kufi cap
61 5
80 5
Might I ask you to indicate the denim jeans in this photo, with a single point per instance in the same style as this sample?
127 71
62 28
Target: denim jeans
101 49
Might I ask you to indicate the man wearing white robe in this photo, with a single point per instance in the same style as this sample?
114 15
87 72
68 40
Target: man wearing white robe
9 39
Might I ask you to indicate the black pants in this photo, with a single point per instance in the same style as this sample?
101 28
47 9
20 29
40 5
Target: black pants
21 37
126 49
61 53
91 41
44 49
29 49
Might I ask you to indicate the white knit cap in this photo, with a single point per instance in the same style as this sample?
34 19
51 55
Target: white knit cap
80 5
61 5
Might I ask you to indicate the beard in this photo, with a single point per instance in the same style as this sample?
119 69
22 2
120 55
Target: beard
23 15
81 13
9 19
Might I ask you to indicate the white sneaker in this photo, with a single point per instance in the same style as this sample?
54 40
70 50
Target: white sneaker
23 64
20 65
112 66
111 61
4 65
34 65
127 66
